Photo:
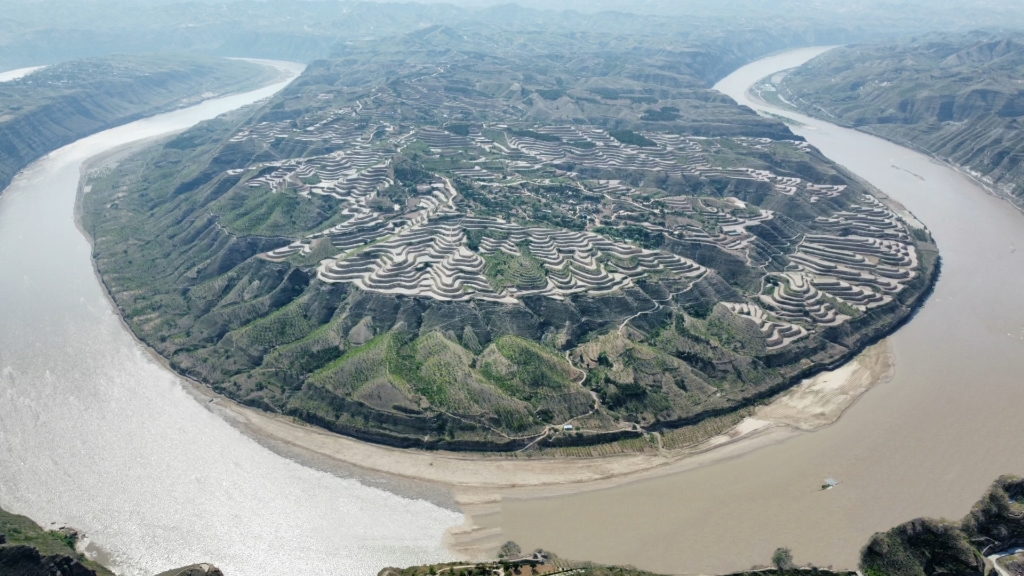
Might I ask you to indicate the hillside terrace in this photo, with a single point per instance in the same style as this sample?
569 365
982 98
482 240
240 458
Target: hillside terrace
864 268
858 257
435 261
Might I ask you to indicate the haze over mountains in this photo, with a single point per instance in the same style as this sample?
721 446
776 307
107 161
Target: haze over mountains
47 31
957 96
502 233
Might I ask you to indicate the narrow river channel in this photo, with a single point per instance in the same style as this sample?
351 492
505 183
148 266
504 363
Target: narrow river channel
97 435
927 443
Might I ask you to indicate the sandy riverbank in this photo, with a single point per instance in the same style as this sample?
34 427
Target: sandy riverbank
477 483
812 404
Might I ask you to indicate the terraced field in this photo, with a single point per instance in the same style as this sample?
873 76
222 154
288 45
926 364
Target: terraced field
491 255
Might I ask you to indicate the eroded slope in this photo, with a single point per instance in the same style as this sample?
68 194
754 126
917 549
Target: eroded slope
959 97
64 102
499 248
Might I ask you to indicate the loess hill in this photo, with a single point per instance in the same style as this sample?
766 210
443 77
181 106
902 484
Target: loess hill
462 241
958 97
59 104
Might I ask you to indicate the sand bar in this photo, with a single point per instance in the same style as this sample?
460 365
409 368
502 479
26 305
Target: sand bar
812 404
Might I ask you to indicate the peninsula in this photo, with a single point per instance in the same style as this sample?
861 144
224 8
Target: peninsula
459 242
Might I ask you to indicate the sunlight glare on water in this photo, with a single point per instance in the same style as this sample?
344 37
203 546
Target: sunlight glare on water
96 435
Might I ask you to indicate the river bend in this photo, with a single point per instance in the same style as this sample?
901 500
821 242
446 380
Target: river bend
97 435
927 443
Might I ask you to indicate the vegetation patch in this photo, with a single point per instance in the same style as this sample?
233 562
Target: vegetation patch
523 272
631 138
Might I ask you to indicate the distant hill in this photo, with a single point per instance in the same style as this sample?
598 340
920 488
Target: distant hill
959 97
47 31
64 102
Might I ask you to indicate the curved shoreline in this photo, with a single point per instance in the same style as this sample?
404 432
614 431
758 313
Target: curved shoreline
473 478
958 168
478 482
813 404
95 430
463 471
910 145
798 408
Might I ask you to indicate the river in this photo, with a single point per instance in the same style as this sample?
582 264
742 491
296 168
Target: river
97 435
927 443
19 73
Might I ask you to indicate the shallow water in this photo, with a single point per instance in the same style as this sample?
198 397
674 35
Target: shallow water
96 435
928 443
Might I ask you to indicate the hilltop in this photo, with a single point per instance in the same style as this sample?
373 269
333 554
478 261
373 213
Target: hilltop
958 97
471 240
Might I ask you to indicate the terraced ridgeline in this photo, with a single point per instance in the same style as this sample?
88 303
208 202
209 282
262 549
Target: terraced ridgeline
498 252
959 97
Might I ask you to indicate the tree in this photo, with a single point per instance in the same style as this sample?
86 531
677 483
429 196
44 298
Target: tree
510 550
783 559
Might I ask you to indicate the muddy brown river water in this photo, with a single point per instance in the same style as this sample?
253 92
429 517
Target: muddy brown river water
95 434
927 443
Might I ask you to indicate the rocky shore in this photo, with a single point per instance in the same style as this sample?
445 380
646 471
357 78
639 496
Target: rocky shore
26 549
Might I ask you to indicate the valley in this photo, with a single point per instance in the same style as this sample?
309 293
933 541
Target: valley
56 105
953 96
